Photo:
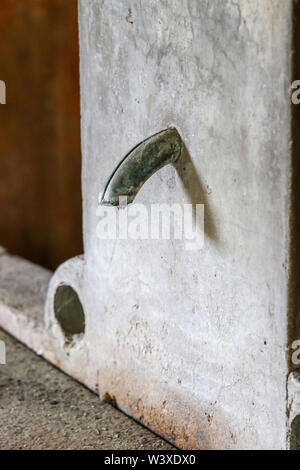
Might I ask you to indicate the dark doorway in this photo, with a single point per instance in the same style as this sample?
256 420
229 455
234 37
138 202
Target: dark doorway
40 162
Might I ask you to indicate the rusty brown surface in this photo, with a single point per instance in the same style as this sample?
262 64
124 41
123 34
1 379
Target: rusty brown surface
40 162
179 418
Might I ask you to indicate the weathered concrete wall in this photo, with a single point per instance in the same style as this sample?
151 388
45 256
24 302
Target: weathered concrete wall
193 343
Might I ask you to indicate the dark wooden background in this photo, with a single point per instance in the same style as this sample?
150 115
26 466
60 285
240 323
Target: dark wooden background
40 193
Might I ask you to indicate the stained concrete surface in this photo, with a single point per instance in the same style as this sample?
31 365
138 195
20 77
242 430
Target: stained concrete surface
205 330
41 408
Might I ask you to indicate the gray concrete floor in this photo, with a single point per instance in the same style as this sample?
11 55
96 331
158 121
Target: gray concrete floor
42 408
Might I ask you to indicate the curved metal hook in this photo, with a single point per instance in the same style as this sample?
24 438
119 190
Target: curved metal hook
140 164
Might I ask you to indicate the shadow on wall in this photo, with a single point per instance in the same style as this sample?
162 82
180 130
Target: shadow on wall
40 162
194 187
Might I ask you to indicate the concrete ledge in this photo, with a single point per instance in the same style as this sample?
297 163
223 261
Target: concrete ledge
23 290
